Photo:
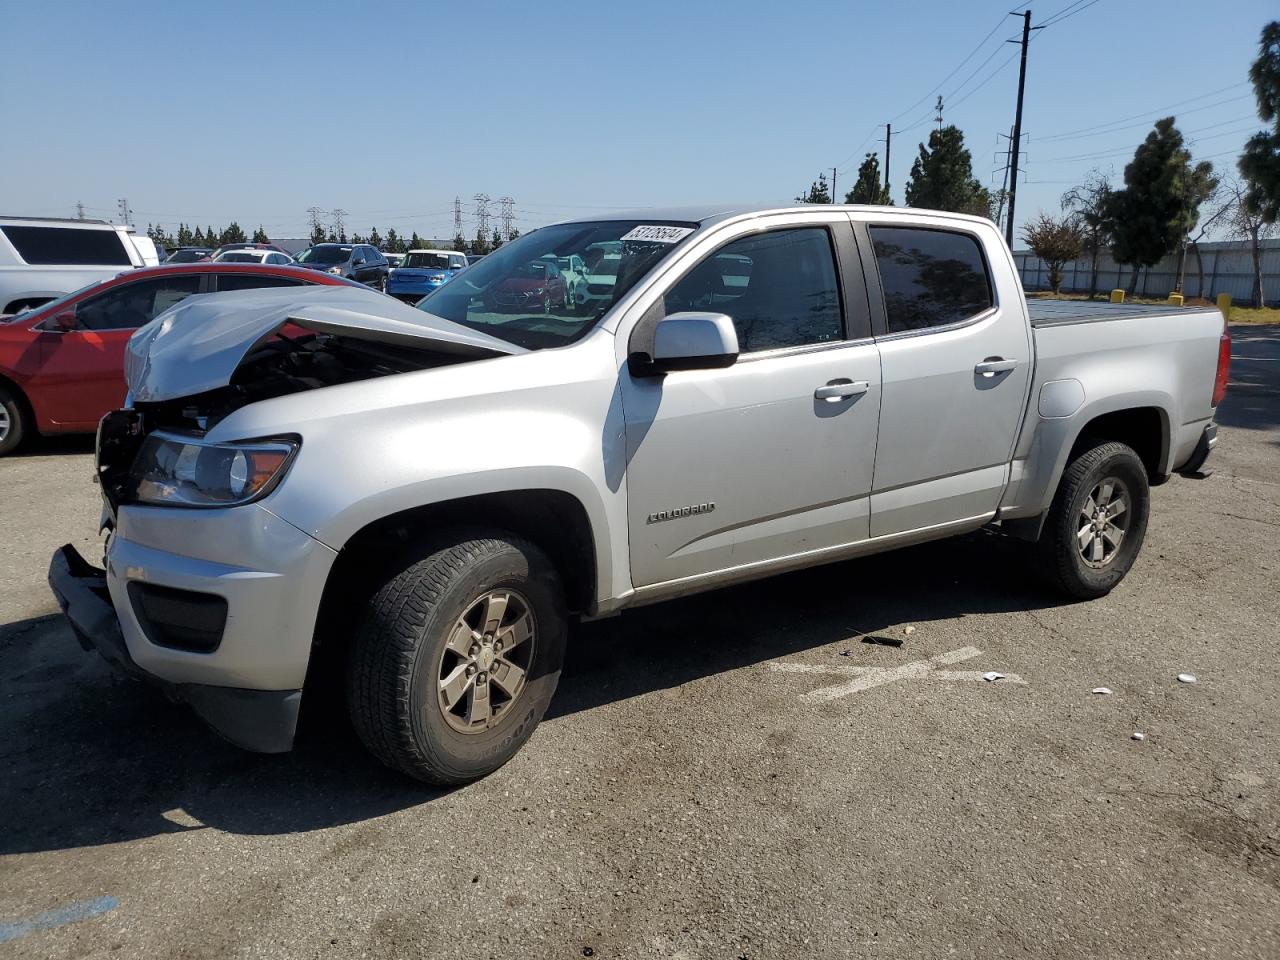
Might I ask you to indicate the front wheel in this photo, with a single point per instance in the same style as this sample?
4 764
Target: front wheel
458 657
1097 522
13 424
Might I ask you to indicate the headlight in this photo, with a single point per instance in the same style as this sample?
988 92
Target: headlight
337 271
186 472
435 278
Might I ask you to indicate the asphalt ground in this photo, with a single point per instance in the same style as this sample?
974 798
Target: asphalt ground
810 766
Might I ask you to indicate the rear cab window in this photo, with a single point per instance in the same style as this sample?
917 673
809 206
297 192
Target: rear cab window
930 277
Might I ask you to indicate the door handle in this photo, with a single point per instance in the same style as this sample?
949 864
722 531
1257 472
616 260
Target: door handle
838 390
993 365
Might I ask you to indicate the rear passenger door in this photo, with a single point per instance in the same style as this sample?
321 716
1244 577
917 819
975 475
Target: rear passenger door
955 355
772 456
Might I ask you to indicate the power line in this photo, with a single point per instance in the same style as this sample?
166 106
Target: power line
982 43
1066 13
1072 134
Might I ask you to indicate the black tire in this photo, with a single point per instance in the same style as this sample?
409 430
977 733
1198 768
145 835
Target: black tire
1061 559
392 675
13 424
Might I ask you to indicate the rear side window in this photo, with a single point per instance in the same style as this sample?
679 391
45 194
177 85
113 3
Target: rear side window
68 245
779 288
930 278
253 281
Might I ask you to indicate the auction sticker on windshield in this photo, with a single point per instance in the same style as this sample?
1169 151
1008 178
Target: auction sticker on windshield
657 233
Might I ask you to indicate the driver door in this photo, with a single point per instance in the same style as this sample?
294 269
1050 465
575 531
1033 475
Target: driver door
773 456
81 374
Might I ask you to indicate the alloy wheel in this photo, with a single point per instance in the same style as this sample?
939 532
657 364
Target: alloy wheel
486 661
1103 522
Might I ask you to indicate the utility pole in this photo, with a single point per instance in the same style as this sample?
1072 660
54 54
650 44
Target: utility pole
123 206
833 186
888 133
1017 126
938 108
79 210
1004 186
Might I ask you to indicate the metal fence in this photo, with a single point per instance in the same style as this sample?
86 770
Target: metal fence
1226 267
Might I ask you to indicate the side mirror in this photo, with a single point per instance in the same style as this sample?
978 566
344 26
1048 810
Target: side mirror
64 322
692 341
357 261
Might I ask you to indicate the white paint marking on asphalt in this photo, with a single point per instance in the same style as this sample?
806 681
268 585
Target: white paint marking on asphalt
975 675
869 679
962 675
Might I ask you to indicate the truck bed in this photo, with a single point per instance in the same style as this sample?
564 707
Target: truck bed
1045 313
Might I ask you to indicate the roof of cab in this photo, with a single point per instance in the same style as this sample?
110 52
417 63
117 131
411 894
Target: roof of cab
705 214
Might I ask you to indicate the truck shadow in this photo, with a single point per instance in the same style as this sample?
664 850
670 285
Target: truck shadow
91 758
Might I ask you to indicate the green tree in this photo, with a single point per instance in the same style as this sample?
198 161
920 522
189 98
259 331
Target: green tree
515 232
479 245
1055 241
495 241
394 243
318 234
185 237
234 234
1160 202
260 235
869 188
1087 205
197 239
416 242
1260 163
819 192
331 237
942 176
460 243
212 237
375 238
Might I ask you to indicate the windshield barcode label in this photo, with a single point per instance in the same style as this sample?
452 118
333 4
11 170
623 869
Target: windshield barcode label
657 234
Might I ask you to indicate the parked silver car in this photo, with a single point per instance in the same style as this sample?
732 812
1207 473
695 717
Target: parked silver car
427 495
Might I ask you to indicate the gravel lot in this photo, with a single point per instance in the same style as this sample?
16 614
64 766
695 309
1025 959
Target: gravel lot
691 796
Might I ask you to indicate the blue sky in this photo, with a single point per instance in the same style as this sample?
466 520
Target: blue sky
256 111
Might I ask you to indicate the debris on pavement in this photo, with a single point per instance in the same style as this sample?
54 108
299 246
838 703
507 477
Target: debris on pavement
908 631
1138 736
1105 691
1186 678
991 675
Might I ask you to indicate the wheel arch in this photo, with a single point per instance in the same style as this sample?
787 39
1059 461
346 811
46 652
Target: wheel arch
24 401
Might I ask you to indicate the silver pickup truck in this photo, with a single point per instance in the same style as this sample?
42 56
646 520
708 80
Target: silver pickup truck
426 496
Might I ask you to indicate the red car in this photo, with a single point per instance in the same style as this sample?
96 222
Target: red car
537 286
62 364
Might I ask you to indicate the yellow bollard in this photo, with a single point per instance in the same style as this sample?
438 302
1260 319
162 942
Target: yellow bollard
1117 296
1175 299
1224 304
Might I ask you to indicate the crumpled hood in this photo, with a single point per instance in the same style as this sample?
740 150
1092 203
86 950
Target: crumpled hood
197 344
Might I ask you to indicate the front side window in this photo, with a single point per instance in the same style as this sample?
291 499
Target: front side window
517 294
457 263
931 278
68 245
779 288
130 305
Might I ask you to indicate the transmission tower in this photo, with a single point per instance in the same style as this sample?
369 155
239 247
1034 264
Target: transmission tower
506 213
339 227
482 214
79 210
457 216
317 219
125 214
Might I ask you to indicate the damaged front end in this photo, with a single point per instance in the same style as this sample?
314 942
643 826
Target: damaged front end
198 363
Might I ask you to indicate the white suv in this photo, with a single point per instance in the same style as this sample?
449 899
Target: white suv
42 259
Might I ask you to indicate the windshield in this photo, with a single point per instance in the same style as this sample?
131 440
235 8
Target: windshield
188 256
325 254
428 261
241 257
515 294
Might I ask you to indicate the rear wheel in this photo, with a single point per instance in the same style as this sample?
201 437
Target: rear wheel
457 658
1097 523
13 422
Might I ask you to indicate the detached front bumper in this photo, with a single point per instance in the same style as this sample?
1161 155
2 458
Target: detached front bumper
229 634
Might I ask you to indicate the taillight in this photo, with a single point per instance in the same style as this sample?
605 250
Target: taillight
1224 366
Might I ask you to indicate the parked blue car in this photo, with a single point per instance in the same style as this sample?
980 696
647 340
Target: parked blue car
423 271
